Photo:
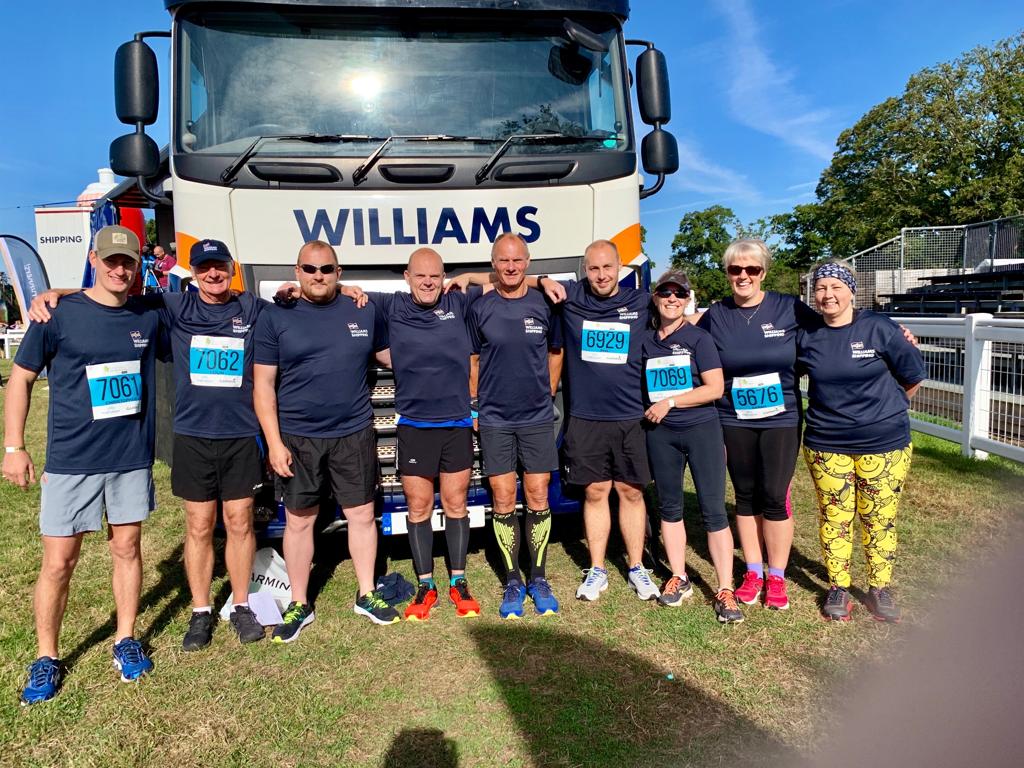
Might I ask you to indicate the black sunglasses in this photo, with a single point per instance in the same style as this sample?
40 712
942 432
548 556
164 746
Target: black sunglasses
736 270
679 293
323 269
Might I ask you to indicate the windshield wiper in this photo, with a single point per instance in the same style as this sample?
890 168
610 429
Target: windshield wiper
537 138
361 172
236 165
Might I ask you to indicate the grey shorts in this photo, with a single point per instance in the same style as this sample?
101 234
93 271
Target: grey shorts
504 449
73 504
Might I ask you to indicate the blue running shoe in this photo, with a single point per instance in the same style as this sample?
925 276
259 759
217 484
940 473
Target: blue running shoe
131 661
45 675
544 602
512 600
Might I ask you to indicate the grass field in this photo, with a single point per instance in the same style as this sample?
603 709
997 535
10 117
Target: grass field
587 688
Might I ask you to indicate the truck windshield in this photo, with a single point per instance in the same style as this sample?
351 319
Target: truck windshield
244 74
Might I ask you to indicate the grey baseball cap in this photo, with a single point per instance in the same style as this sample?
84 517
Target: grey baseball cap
114 240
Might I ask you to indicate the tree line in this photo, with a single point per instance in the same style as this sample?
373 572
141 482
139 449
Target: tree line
948 150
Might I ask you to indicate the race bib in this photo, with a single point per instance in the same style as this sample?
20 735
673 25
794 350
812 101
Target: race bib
668 377
605 342
216 361
757 397
115 389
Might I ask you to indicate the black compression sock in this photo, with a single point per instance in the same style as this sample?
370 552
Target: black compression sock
421 544
506 532
456 532
538 533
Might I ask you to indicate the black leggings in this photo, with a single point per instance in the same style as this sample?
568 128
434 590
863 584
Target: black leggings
761 462
699 446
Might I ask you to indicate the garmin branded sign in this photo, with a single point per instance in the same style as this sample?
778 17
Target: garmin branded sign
415 226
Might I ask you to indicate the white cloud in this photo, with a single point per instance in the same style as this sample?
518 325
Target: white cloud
807 186
698 174
762 96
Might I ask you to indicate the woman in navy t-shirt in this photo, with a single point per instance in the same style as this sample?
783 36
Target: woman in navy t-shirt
863 373
682 378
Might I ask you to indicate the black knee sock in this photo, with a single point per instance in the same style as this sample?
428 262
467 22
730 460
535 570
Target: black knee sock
506 532
421 544
538 533
456 532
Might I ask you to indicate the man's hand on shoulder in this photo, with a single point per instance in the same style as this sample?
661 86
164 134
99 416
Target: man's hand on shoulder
39 309
355 293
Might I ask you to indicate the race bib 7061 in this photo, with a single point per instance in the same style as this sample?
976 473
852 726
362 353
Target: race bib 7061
115 389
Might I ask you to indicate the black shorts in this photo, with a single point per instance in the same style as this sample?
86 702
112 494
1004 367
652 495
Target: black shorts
208 469
606 450
347 464
429 451
505 448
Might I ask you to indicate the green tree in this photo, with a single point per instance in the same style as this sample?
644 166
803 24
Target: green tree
151 231
948 150
698 247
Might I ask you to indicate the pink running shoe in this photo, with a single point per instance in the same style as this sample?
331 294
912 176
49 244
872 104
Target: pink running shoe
750 589
775 596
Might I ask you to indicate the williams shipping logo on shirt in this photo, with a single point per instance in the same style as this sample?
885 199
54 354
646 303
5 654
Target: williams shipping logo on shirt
626 314
532 325
239 326
138 340
357 332
857 351
770 331
679 350
442 315
399 226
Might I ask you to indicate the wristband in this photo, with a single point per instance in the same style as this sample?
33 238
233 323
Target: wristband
671 403
14 448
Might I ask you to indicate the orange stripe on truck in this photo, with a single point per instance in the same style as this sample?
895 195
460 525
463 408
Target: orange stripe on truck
628 243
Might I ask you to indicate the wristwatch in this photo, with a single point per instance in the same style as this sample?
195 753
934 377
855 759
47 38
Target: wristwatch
14 448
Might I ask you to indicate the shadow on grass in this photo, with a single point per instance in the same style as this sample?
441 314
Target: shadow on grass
421 748
171 582
579 702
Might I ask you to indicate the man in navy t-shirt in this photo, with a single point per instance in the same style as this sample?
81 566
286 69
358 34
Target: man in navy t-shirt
604 441
99 350
430 351
318 424
513 332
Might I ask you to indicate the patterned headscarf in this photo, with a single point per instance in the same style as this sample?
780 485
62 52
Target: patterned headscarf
839 272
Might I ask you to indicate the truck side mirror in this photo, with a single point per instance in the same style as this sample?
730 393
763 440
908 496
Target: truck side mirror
136 84
136 154
660 152
652 87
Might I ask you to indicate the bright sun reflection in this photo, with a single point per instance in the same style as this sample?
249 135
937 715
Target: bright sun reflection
366 85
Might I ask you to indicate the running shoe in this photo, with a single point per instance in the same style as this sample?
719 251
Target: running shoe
595 581
512 600
544 601
676 589
750 589
375 608
882 606
199 632
131 661
465 606
775 596
641 583
726 608
246 625
838 604
296 616
424 600
45 676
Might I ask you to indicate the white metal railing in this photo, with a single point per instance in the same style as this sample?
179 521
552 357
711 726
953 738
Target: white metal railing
974 394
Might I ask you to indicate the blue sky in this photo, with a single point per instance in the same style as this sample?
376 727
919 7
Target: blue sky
760 91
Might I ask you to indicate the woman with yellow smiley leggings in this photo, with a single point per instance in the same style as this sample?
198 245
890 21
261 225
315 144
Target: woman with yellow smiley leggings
862 373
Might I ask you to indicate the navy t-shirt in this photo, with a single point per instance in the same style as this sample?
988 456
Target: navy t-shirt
212 346
758 359
602 351
856 400
322 352
512 337
101 363
673 367
430 351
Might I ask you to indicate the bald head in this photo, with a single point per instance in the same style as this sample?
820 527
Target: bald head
425 276
601 267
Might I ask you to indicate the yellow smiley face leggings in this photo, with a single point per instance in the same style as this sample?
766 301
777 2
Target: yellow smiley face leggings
867 486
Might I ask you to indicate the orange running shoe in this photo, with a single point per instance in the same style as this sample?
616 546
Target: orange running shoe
465 605
419 608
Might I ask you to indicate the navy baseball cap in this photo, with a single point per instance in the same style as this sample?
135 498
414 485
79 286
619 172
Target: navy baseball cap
208 250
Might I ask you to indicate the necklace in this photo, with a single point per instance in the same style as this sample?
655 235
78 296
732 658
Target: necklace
750 317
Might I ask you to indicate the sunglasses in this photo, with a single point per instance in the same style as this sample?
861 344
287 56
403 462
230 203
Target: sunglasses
323 269
679 293
736 270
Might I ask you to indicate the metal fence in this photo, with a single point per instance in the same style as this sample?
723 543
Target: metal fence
899 264
974 394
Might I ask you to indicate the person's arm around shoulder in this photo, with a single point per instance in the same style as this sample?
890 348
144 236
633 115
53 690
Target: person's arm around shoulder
17 465
39 309
462 282
905 361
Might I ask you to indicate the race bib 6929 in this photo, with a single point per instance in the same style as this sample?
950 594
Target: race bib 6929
605 342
